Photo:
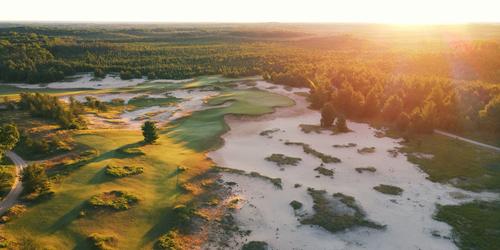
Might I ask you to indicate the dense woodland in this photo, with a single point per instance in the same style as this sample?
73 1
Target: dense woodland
416 85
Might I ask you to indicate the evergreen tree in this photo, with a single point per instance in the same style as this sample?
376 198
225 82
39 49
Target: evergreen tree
327 115
149 131
35 179
341 125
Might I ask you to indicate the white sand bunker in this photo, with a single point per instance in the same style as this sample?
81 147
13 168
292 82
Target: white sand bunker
265 209
192 100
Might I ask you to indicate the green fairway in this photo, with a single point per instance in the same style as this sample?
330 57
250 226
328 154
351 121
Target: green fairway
202 129
57 223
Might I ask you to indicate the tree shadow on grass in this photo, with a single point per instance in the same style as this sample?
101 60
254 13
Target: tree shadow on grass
65 220
118 153
101 177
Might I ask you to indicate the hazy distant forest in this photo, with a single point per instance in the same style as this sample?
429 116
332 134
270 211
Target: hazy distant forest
384 74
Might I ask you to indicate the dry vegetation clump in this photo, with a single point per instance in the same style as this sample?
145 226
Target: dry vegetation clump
388 189
309 150
367 169
308 128
116 200
101 242
337 213
168 241
366 150
255 245
324 171
123 171
282 159
268 133
296 204
275 181
348 145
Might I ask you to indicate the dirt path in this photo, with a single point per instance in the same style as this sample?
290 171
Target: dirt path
466 140
17 187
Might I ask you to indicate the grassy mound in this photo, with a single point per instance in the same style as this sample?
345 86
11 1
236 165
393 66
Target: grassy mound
123 171
476 225
308 150
366 169
116 200
337 213
282 159
388 189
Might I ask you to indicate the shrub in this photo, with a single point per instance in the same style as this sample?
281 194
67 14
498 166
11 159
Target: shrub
35 179
117 200
168 241
101 242
296 204
255 245
123 171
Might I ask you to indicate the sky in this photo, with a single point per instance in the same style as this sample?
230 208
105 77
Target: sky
360 11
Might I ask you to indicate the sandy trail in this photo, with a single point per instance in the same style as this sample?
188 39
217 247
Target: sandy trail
266 210
17 187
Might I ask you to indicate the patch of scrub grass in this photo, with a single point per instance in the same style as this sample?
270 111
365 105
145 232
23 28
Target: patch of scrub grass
65 228
366 169
366 150
168 241
145 101
296 204
117 200
7 173
255 245
281 159
268 133
275 181
348 145
388 189
308 128
462 164
476 225
101 242
202 129
324 171
308 150
336 213
123 171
